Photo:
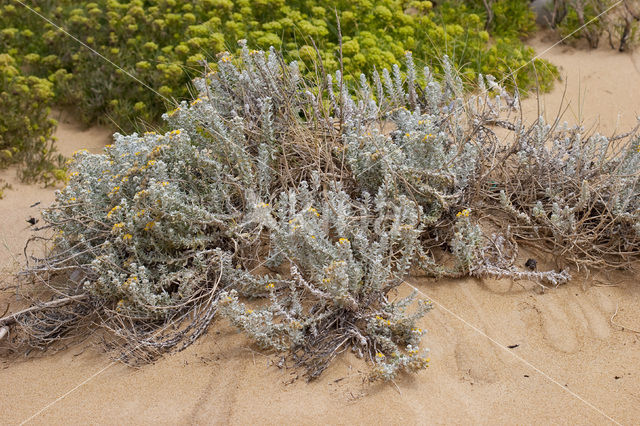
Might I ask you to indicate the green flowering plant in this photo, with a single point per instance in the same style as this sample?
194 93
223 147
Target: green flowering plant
25 126
162 44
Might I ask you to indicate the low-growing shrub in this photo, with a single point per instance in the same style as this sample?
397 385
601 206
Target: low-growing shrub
26 129
339 191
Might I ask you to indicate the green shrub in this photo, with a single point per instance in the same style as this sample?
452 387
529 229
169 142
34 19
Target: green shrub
25 127
162 43
594 19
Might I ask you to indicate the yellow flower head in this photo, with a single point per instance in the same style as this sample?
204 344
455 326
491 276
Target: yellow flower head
127 237
112 211
463 213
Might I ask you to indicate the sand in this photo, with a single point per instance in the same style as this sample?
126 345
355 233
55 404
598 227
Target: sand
569 363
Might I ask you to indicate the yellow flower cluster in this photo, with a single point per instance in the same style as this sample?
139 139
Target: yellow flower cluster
129 280
314 211
114 190
149 225
270 285
197 101
155 151
382 320
292 221
117 226
427 137
343 240
127 237
112 211
262 205
463 213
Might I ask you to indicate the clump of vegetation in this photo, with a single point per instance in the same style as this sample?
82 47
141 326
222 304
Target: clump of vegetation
618 23
339 190
163 44
25 126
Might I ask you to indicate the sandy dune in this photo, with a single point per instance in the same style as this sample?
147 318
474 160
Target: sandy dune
571 365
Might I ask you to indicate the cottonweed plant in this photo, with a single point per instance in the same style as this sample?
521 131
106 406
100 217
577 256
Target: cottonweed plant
338 190
572 192
344 256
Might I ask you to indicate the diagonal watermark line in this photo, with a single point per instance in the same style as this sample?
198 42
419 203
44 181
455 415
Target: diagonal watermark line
124 71
511 74
515 355
93 50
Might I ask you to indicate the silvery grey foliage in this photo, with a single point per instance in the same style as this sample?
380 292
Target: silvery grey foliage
339 191
576 191
343 256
